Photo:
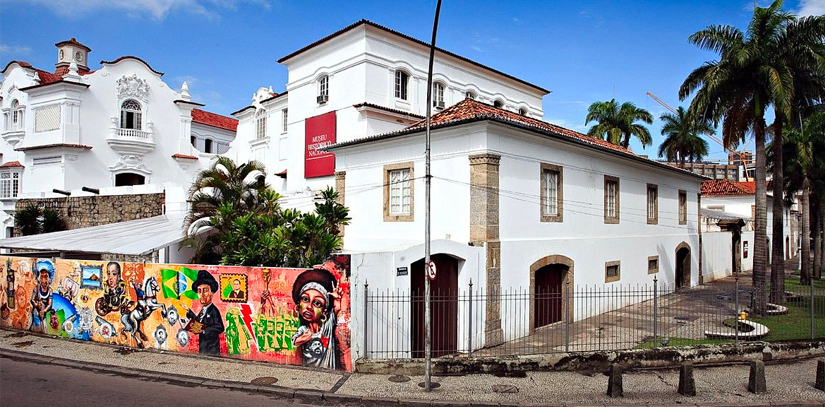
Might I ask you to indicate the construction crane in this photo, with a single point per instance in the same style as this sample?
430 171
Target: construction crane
740 155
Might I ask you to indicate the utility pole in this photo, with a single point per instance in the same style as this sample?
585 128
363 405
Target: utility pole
428 332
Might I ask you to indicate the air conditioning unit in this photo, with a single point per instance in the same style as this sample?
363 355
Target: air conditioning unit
439 105
322 99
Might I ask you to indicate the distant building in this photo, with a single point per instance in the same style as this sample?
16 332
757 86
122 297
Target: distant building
113 129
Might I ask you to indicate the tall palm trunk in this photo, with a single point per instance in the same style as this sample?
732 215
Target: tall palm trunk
778 241
805 240
818 241
760 223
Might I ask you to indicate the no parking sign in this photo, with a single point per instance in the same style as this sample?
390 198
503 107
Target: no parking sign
431 271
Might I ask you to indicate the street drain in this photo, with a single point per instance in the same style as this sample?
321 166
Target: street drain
23 344
399 378
16 335
504 388
264 381
433 385
124 351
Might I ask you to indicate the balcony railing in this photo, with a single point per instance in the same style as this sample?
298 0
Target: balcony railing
134 133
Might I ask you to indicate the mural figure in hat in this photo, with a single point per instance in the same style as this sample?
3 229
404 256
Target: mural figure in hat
41 299
317 298
209 317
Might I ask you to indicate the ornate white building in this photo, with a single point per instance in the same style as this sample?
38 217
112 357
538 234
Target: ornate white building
118 126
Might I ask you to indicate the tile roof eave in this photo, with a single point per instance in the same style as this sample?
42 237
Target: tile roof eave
58 145
131 57
26 89
557 136
410 38
386 109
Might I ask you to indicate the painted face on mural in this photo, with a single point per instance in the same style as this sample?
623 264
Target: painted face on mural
44 280
205 294
114 275
313 304
236 284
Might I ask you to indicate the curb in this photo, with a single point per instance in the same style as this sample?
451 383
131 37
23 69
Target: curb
307 396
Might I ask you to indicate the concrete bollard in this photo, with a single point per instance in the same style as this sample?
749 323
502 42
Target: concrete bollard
756 381
687 386
820 375
614 385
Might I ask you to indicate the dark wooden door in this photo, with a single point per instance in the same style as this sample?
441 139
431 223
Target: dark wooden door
547 304
443 310
682 268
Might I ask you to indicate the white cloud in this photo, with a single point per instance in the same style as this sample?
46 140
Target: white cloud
6 49
811 8
579 127
158 9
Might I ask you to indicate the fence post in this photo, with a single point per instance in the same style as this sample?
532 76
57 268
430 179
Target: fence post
655 312
567 300
736 313
470 320
366 313
811 280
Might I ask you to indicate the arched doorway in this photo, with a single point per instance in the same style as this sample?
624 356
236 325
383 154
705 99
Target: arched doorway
443 310
549 278
129 178
682 275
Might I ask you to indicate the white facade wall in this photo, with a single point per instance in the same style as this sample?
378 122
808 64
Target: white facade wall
741 205
717 254
89 148
361 65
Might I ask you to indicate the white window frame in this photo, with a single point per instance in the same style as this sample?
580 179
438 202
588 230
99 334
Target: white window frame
402 82
552 192
438 95
10 183
284 119
137 114
399 193
323 86
260 124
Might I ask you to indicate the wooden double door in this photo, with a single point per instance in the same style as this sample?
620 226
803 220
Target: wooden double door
443 310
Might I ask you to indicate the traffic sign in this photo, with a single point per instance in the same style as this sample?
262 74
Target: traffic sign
431 271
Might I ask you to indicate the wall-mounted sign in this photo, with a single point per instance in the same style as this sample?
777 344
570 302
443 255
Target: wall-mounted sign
746 249
431 271
402 271
320 132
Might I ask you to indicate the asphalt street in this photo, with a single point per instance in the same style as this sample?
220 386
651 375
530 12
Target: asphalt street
25 384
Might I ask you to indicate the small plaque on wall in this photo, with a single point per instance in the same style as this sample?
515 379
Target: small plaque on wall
402 271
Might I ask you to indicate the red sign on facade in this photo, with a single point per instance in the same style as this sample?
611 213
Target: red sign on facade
320 132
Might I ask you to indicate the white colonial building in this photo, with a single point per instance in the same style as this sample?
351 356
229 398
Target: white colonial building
362 80
518 203
120 125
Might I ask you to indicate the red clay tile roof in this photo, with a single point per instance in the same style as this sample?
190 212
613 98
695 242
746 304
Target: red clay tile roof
59 145
719 187
387 109
12 164
75 43
469 110
184 156
132 57
214 120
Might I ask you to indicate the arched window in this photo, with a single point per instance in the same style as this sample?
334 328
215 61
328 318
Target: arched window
261 123
401 81
207 146
499 104
130 115
438 95
323 89
129 178
15 108
470 95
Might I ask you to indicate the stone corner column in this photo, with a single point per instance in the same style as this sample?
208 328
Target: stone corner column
340 187
484 231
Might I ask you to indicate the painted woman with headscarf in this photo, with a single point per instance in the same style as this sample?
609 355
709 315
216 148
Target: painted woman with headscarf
41 299
317 300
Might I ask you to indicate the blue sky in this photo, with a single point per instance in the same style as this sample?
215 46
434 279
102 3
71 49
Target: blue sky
583 51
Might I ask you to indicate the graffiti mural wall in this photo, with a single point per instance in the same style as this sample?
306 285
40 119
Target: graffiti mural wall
281 315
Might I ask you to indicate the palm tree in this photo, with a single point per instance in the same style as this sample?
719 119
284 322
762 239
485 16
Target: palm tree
738 89
683 139
617 123
800 47
219 194
805 170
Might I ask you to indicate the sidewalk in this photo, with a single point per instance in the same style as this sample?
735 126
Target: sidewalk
789 384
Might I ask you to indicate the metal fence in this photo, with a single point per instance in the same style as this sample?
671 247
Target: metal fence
583 318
